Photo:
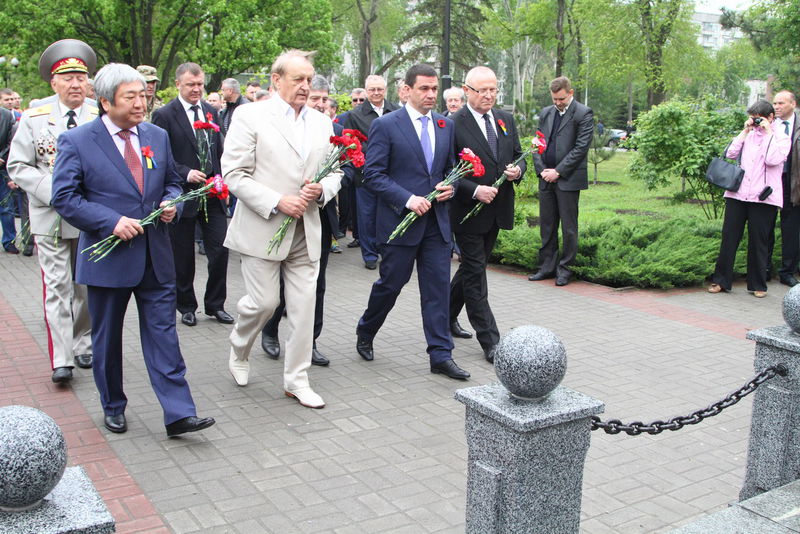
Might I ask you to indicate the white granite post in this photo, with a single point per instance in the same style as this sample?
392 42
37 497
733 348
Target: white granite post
527 445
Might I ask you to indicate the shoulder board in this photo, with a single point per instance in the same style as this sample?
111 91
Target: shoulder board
93 110
41 110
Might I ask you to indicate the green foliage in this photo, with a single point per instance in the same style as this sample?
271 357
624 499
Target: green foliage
343 99
167 94
599 151
676 141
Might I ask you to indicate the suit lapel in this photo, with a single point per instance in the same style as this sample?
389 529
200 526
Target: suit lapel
405 125
467 121
567 116
288 126
144 140
182 120
106 144
439 155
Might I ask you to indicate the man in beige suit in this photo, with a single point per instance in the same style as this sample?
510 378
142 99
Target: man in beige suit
66 65
271 154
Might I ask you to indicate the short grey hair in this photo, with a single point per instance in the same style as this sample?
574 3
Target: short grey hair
109 78
319 83
232 83
454 92
281 62
261 93
358 91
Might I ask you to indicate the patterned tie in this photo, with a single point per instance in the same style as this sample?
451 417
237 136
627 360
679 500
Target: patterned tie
71 121
133 161
425 141
491 135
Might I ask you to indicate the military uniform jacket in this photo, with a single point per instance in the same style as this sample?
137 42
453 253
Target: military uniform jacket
31 161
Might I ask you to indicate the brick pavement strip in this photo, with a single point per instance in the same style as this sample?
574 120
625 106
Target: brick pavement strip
388 453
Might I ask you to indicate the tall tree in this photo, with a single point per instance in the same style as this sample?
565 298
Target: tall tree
657 18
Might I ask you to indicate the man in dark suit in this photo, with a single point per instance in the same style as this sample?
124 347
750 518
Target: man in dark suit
188 145
7 122
786 119
232 94
103 185
492 134
411 152
361 119
568 128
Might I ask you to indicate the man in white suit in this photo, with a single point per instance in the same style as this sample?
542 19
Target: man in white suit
271 154
66 64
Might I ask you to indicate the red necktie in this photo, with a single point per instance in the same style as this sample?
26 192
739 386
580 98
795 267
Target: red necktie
132 160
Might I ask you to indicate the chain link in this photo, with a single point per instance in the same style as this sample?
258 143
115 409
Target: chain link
615 426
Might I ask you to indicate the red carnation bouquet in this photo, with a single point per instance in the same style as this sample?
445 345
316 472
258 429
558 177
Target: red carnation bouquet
538 145
470 164
214 188
346 149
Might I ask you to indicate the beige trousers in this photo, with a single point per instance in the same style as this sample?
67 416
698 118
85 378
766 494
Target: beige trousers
262 283
66 311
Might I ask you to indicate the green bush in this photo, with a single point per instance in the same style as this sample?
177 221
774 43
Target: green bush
629 251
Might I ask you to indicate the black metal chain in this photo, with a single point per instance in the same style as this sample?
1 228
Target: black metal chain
615 426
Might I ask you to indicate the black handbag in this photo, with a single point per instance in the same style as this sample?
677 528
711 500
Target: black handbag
724 174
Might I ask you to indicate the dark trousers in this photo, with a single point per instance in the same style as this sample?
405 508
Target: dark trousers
367 205
182 235
469 286
790 234
271 328
758 217
8 199
558 207
162 353
432 257
345 209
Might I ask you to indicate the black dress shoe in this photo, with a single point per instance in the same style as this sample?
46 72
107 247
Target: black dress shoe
371 265
189 319
488 353
116 423
317 358
222 316
457 331
353 244
449 368
188 424
539 275
12 249
364 348
84 361
28 250
789 280
562 280
271 346
62 375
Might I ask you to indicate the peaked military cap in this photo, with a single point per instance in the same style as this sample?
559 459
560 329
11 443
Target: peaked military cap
150 73
67 55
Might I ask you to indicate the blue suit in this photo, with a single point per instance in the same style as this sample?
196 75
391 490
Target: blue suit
395 169
92 189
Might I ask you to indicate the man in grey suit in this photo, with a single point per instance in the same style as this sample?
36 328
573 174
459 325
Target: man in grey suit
568 127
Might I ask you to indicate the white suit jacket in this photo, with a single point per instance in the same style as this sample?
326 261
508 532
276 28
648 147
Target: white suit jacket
260 164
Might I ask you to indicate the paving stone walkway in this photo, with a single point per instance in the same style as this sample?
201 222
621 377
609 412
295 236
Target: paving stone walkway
388 452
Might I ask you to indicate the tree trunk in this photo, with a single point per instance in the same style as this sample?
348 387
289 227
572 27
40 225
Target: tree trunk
630 98
561 45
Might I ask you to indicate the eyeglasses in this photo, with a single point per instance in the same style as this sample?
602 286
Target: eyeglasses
358 100
483 92
376 89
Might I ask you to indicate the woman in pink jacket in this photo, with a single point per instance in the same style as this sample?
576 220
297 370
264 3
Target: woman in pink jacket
763 151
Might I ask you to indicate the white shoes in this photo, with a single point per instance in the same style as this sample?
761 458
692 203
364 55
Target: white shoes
306 397
240 369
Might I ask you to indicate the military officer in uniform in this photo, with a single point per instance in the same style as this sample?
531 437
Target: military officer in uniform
153 102
66 64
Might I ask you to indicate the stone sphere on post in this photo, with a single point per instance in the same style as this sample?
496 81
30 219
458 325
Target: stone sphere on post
33 455
530 362
791 309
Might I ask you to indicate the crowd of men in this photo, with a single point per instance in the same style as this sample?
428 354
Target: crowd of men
95 168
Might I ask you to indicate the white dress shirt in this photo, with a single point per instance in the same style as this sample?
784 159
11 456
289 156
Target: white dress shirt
415 115
378 109
113 130
63 109
190 112
296 123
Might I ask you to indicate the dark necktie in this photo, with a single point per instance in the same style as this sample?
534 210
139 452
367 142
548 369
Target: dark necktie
71 123
132 160
786 127
491 135
196 110
425 141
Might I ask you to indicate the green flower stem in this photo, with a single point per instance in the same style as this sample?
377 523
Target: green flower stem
479 206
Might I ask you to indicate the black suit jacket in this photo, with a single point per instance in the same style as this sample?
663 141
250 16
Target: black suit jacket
501 209
183 142
573 139
361 119
7 122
